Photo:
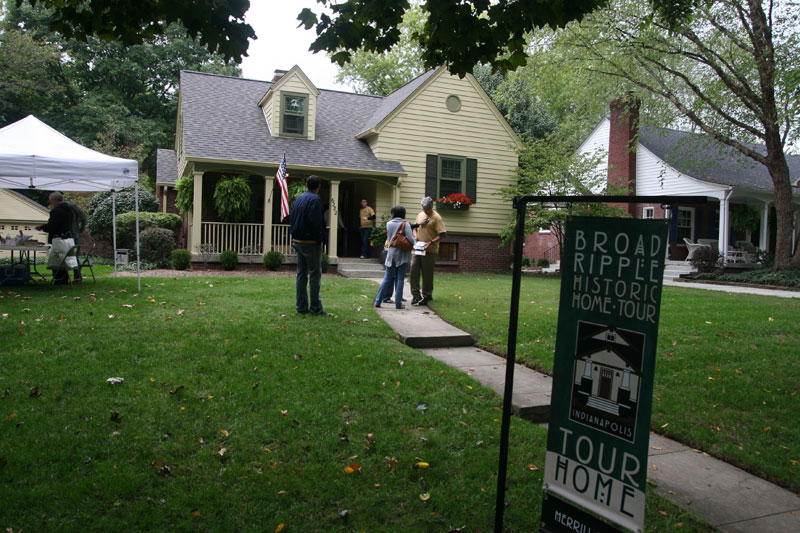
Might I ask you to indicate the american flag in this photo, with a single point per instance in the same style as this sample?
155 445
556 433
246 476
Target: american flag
281 177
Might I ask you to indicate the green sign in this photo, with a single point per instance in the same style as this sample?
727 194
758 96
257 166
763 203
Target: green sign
612 273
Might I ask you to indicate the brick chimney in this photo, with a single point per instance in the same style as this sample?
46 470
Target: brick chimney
278 75
622 139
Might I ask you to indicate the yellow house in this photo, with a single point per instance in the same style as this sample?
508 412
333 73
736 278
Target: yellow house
437 135
20 213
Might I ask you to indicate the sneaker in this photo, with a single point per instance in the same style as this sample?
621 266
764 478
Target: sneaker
324 313
376 305
423 301
400 306
415 300
388 301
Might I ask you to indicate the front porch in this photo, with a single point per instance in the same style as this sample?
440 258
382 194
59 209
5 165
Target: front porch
208 236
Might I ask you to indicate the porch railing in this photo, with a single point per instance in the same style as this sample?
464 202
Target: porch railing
246 239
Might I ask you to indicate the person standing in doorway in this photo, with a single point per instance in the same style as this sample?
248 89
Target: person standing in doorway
430 231
366 216
308 234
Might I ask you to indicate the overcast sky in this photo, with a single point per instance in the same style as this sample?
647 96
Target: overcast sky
282 45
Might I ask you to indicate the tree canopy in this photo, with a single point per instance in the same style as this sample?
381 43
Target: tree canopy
728 70
116 99
458 33
218 26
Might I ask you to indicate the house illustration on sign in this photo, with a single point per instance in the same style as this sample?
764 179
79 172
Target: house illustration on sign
607 371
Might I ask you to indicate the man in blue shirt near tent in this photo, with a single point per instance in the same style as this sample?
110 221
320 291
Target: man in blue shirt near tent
308 234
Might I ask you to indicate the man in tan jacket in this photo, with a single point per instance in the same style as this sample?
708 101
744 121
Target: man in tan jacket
431 230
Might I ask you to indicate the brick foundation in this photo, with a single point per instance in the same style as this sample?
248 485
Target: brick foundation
475 254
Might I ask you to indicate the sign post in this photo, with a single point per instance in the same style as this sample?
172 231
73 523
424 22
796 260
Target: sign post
612 275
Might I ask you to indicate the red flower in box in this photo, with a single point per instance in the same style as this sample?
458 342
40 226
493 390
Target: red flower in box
456 200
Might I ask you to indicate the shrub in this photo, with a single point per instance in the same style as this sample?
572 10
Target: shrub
126 225
705 258
526 262
157 245
326 262
273 260
101 213
181 259
229 259
543 262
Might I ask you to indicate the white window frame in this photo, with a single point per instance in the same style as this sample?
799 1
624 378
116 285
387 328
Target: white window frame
462 179
691 211
648 213
284 114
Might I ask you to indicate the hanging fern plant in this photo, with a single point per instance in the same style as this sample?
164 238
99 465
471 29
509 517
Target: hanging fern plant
232 198
744 217
185 198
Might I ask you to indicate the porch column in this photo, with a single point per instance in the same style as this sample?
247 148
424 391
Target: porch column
333 220
724 217
197 212
763 237
269 186
396 192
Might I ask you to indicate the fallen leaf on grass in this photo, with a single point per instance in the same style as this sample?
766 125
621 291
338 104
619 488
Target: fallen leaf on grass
115 381
421 464
533 467
222 451
425 496
280 528
225 433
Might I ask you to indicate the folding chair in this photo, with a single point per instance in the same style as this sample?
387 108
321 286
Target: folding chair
62 266
86 262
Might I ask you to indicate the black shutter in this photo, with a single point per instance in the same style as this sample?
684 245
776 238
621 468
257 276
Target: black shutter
472 180
431 175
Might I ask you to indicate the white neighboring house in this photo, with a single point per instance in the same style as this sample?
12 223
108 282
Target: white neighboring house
18 212
651 161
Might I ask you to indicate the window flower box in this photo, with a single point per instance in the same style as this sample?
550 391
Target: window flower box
455 201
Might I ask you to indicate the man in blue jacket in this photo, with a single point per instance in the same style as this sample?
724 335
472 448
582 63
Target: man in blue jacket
308 234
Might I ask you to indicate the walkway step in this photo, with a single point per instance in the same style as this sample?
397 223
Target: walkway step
419 327
532 390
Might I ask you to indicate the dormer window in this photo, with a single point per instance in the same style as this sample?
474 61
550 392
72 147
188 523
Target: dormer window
294 112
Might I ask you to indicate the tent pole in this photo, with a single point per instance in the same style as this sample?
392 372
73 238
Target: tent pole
138 270
114 225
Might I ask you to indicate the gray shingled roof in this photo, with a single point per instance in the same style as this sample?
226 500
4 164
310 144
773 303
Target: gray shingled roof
166 166
699 156
222 120
391 102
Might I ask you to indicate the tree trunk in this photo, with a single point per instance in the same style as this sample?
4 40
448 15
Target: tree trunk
779 171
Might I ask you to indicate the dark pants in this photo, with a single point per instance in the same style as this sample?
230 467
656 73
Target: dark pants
365 233
422 264
393 278
309 273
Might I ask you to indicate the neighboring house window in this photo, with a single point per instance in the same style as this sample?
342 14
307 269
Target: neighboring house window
648 212
685 223
447 174
293 114
28 228
448 251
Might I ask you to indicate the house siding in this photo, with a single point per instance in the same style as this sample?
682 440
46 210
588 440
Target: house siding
657 178
425 126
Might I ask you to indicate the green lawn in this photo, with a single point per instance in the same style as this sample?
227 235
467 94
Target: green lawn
727 370
236 414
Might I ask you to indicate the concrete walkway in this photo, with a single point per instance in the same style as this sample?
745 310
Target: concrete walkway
727 497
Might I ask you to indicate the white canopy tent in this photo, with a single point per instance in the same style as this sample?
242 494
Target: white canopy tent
35 156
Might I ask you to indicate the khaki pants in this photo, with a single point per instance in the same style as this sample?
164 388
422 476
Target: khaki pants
422 264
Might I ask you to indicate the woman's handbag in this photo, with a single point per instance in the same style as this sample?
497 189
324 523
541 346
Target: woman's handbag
400 241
